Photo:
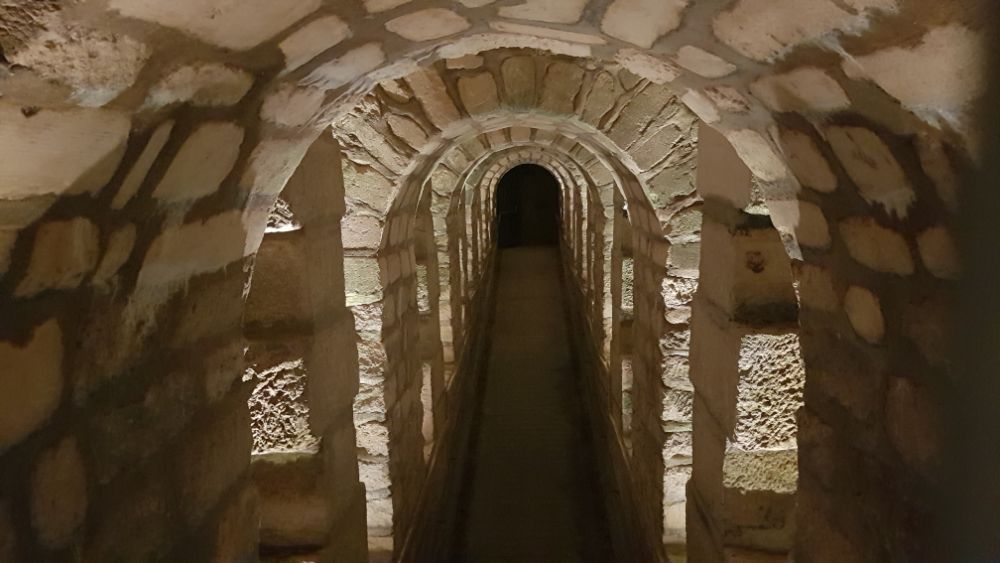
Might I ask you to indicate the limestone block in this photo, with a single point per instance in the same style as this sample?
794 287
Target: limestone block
467 62
239 26
761 470
764 29
871 165
376 6
703 63
640 64
938 251
428 87
203 162
293 507
519 80
701 105
560 87
806 89
361 232
366 186
59 151
333 384
97 66
291 106
757 153
407 130
721 172
547 33
642 22
865 313
119 249
130 186
806 162
63 254
203 84
478 93
638 114
213 459
424 25
33 379
362 277
876 247
727 99
179 253
551 11
602 97
58 494
771 380
275 296
942 72
312 39
351 65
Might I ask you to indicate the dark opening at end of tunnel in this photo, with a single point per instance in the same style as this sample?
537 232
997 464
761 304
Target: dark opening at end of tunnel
528 207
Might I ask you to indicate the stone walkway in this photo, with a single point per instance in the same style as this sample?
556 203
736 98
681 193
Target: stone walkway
533 493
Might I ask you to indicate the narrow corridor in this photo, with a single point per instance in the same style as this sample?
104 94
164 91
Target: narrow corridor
533 492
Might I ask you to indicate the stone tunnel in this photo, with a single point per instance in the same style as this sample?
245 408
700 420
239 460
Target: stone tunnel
499 280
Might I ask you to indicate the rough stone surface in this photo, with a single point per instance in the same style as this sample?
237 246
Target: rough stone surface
312 39
201 85
642 22
432 23
865 313
769 392
876 247
873 168
802 90
938 251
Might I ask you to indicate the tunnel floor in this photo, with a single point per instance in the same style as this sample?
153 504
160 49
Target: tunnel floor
532 492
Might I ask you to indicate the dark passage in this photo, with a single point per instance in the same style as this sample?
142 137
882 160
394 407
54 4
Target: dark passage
527 207
532 492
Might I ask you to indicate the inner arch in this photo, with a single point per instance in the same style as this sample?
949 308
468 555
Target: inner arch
528 207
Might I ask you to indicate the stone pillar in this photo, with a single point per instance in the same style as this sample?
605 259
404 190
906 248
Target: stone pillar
303 358
747 372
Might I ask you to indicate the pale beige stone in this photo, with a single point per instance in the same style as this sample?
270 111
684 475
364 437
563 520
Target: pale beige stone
757 154
938 251
703 63
119 249
551 11
203 84
478 93
816 288
234 25
202 163
407 130
728 99
476 3
701 105
865 313
642 22
806 162
376 6
33 381
428 87
97 66
722 174
547 32
424 25
312 39
873 168
59 151
179 253
801 90
293 106
63 254
647 66
560 86
942 72
130 186
764 29
352 65
876 247
58 494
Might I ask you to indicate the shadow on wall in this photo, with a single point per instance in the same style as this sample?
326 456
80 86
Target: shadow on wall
528 207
